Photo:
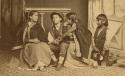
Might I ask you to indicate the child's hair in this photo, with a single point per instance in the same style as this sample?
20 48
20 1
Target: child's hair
102 17
31 13
55 13
72 16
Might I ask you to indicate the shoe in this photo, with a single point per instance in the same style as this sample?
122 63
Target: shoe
59 67
55 64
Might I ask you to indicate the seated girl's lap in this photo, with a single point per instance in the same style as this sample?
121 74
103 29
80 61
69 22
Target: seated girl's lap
38 45
38 48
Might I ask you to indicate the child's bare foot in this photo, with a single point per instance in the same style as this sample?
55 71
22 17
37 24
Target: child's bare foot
34 68
20 68
85 61
95 64
42 68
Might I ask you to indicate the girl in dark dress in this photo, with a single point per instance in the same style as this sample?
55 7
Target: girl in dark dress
98 41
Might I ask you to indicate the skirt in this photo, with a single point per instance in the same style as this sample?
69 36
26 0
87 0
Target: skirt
35 52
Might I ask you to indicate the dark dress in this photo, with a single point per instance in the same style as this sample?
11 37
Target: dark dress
99 40
84 38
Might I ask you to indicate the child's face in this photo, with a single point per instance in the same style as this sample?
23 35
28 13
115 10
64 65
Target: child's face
56 19
34 17
100 22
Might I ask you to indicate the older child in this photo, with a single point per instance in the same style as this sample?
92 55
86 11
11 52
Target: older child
60 40
56 40
32 38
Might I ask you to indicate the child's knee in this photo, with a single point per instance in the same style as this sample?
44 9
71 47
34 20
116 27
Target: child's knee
64 47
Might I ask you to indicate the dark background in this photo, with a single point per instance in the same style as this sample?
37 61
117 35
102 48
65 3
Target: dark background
12 15
78 6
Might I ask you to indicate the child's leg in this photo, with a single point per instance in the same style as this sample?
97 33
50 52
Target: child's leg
55 49
106 57
53 57
94 58
63 51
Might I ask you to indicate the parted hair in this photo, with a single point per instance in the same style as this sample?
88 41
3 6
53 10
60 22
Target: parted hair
103 17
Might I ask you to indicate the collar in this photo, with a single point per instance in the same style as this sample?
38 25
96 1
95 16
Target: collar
58 26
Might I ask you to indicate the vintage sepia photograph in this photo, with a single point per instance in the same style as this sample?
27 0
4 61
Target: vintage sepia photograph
62 37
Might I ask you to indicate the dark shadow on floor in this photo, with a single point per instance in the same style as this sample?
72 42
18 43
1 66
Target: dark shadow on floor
121 66
8 56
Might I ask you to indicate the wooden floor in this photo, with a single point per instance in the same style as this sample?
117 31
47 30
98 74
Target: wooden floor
5 70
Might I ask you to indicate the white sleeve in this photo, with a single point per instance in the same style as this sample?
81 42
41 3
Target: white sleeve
50 37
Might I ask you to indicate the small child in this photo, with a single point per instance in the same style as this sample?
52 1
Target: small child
67 37
99 55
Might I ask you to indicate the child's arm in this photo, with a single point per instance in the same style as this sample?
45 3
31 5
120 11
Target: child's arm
34 40
93 45
106 44
107 41
50 38
73 28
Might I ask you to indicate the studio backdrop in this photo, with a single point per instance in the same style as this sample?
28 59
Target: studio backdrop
11 19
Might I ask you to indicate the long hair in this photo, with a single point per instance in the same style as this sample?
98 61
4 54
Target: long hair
72 16
31 13
103 17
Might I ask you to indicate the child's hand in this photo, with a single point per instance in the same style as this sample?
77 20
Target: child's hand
65 23
96 49
17 47
106 47
34 40
55 42
59 39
